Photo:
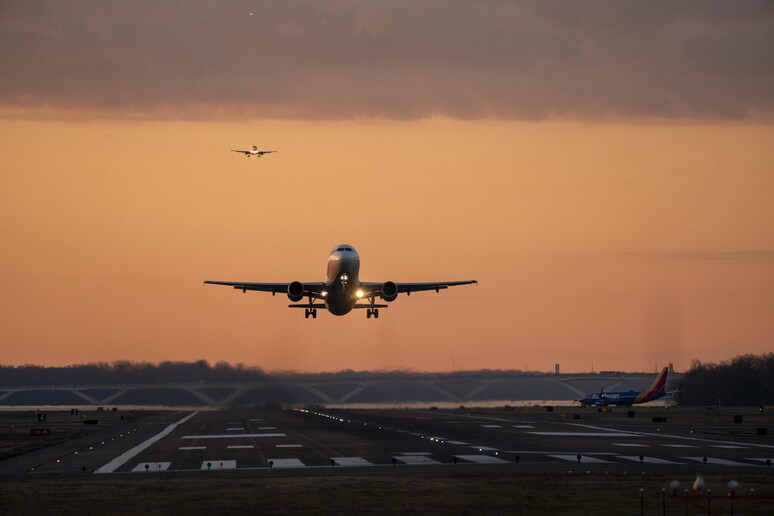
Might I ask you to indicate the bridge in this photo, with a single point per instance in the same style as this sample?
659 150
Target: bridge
458 388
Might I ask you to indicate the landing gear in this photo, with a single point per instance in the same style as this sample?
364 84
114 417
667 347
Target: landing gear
310 311
372 311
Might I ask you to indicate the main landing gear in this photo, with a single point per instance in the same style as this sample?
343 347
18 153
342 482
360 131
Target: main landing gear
372 311
310 312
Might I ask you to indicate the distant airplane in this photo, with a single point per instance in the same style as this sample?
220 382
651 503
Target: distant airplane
656 390
343 291
254 152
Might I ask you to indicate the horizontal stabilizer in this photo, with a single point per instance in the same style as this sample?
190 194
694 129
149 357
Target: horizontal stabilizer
369 305
307 305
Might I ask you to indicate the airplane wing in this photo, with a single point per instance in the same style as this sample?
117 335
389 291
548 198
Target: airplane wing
374 289
266 151
242 151
310 289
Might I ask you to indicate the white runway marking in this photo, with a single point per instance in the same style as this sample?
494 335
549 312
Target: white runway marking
584 459
584 434
719 462
632 445
523 426
256 420
491 426
351 461
483 459
219 464
485 448
230 436
287 463
584 453
240 446
414 453
237 429
416 459
152 466
457 442
680 445
728 446
289 445
119 461
267 428
192 448
648 460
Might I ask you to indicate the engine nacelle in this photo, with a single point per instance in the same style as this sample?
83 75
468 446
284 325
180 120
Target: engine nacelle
389 291
296 291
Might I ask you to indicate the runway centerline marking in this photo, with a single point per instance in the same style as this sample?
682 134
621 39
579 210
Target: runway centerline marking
240 446
230 436
288 445
632 445
119 461
192 448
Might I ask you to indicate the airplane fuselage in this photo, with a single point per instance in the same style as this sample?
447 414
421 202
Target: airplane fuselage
343 283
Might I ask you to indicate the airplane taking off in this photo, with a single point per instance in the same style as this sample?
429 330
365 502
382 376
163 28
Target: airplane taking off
254 152
656 390
343 291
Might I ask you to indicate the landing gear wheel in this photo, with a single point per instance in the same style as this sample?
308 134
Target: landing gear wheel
368 313
376 313
306 313
314 313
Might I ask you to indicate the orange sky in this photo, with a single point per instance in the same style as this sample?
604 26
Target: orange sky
603 170
622 245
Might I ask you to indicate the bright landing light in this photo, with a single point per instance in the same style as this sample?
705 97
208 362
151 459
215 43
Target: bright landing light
359 293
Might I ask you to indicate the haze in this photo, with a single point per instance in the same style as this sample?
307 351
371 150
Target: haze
604 170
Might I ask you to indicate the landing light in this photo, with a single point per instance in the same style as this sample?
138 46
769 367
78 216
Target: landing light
359 293
323 293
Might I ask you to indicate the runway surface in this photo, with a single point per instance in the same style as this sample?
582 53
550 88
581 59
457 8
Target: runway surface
308 442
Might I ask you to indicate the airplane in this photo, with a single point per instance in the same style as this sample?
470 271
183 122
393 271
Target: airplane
254 151
656 390
342 291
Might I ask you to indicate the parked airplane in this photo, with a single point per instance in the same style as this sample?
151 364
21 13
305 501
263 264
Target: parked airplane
343 291
254 152
656 390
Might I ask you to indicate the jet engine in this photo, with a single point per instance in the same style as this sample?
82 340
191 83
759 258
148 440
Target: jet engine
389 291
296 291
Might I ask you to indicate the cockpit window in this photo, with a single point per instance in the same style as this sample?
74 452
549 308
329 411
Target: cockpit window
344 249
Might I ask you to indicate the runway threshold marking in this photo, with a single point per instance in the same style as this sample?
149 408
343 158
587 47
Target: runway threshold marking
218 464
351 461
647 460
151 467
287 463
720 462
482 459
119 461
584 459
229 436
416 459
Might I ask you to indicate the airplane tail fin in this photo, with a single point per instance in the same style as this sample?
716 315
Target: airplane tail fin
656 390
255 147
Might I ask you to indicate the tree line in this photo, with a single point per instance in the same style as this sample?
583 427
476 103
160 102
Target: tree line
743 380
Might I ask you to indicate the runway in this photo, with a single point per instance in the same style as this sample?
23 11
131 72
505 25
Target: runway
324 441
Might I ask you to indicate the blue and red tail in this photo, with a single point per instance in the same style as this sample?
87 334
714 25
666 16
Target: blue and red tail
656 390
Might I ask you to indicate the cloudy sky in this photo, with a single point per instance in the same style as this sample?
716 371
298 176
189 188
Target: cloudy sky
604 169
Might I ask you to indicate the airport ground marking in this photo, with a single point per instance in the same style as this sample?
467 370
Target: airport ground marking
583 434
192 448
151 467
240 447
720 462
286 463
229 436
119 461
583 458
218 464
491 426
416 459
632 445
671 436
483 459
523 426
351 461
647 460
237 429
288 445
